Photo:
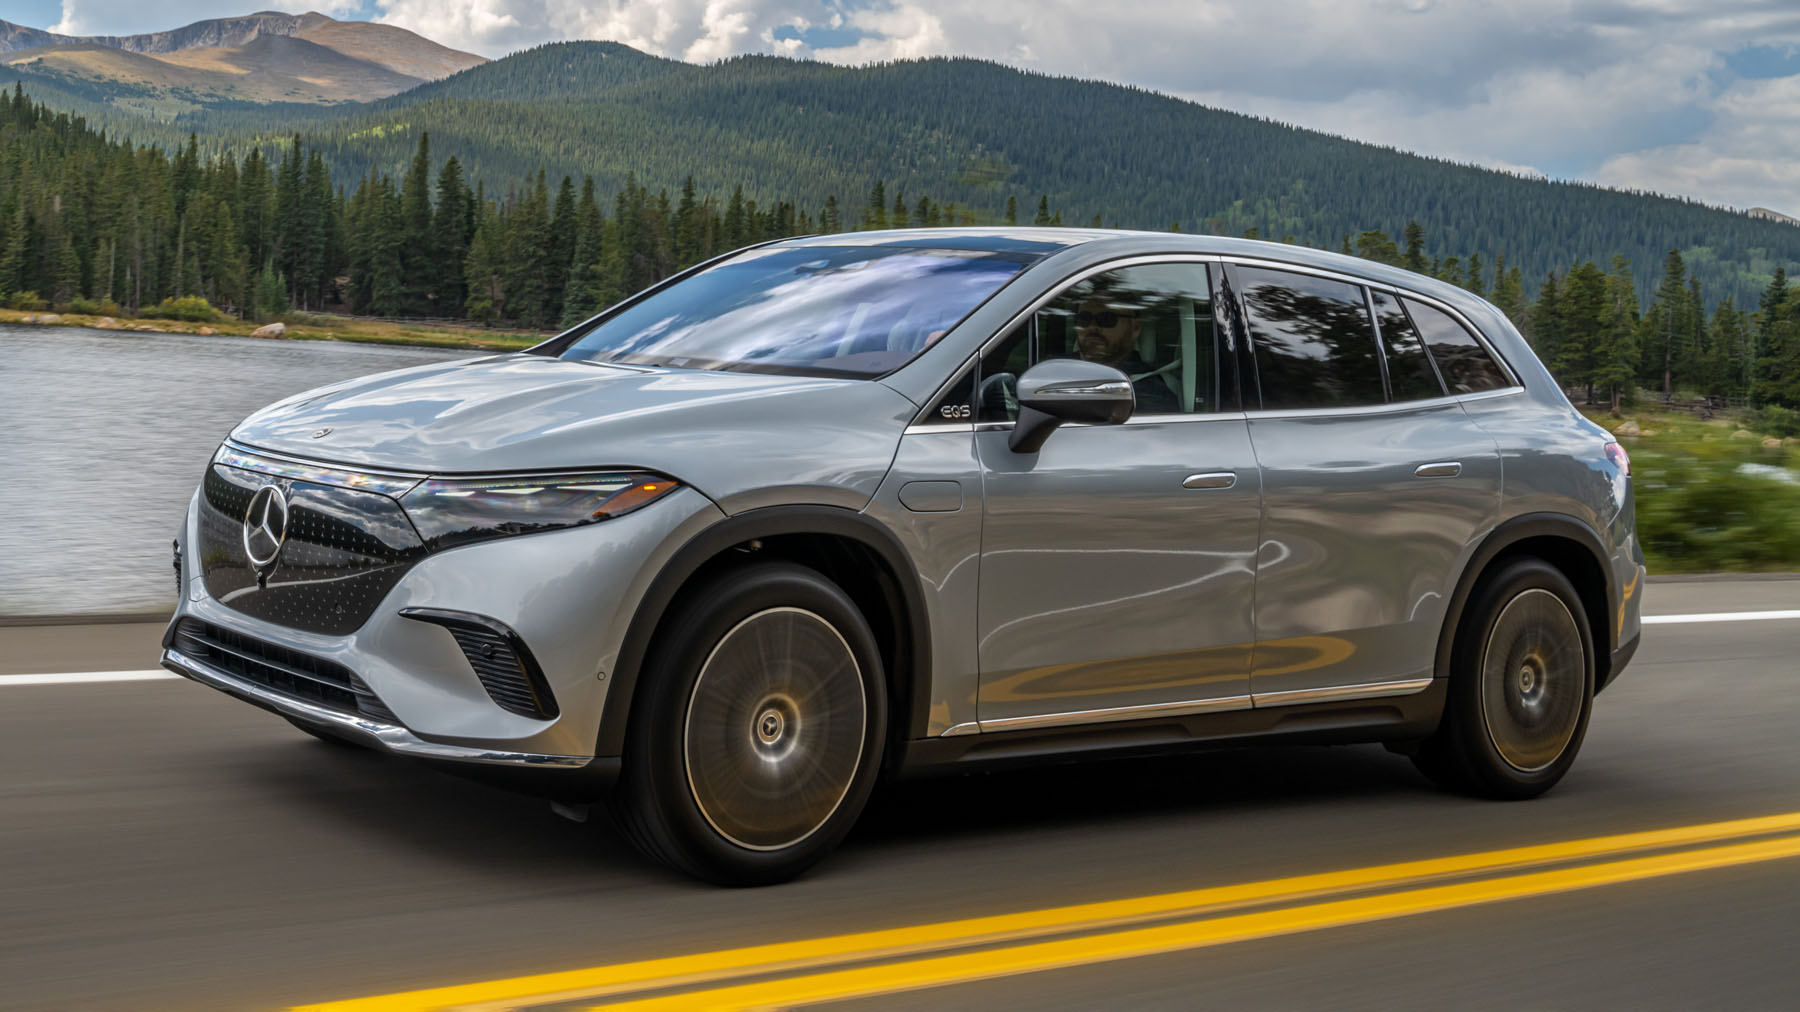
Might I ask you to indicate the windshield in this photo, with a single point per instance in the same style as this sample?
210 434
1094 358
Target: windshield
851 311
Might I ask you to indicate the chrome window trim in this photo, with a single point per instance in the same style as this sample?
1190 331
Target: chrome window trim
922 430
1488 395
1361 410
1367 690
1392 289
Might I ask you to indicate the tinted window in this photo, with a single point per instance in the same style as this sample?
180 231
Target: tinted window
852 311
1466 365
1314 344
1410 375
1153 323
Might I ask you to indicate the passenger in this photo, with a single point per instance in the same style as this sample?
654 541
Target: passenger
1108 334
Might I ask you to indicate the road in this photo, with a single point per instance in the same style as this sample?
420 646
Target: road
164 846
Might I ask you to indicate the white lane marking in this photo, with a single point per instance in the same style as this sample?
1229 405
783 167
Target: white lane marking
1719 616
79 677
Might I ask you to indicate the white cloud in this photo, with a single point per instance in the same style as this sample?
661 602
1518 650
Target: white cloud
1749 158
130 17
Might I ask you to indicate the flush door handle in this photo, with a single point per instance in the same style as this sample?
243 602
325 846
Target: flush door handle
1441 469
1211 479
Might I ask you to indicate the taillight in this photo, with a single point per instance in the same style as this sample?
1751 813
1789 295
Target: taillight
1620 459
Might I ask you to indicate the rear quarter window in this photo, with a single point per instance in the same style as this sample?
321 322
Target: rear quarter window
1465 364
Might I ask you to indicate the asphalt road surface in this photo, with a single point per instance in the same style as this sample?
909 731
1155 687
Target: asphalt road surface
164 846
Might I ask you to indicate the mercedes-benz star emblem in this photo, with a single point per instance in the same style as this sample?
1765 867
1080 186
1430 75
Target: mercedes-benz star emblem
265 526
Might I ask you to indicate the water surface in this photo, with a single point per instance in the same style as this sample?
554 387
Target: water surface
104 436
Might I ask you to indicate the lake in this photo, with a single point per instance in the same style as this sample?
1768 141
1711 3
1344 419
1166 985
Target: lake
104 436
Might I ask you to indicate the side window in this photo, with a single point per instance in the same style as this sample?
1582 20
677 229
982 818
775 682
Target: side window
1153 323
1410 374
1466 365
1313 340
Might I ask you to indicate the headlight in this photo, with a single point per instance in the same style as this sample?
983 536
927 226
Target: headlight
456 511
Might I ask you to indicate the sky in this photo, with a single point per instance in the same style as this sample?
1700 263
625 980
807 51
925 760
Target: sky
1699 98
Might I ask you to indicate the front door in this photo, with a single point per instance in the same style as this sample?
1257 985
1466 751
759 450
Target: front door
1117 562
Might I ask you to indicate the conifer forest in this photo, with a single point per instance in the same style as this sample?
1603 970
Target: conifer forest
93 224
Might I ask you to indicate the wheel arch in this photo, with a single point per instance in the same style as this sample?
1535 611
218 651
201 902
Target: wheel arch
1562 541
852 550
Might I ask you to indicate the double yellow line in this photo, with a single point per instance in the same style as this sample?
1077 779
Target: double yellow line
902 959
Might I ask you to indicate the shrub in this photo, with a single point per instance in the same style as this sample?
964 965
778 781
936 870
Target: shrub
27 301
93 307
1705 512
1776 420
191 308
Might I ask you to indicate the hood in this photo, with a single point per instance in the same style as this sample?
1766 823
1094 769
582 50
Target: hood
743 439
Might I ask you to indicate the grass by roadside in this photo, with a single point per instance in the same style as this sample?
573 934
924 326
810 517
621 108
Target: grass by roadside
1713 495
301 327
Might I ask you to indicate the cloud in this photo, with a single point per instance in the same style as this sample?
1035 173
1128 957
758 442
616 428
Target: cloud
130 17
1748 158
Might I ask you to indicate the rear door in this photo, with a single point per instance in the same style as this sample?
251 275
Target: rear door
1375 483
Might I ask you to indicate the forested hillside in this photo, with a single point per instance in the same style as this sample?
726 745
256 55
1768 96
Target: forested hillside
100 226
979 133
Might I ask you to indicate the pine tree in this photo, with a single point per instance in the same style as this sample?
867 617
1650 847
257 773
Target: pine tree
487 256
580 300
1012 210
1043 211
829 221
1414 238
876 215
561 251
450 239
420 258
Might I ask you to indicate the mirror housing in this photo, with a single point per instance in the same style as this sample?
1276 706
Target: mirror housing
1068 390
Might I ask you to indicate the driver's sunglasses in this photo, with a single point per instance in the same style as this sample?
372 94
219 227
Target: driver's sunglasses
1102 320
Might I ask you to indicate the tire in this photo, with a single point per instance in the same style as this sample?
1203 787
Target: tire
1521 687
757 730
341 741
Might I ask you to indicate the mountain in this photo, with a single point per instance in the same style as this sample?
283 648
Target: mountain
258 58
978 133
961 130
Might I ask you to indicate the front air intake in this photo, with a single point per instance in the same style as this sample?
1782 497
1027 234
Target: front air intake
499 659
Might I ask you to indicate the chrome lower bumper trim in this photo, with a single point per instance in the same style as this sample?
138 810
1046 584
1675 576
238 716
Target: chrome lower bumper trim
387 736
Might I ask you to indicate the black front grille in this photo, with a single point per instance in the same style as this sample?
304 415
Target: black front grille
280 670
344 550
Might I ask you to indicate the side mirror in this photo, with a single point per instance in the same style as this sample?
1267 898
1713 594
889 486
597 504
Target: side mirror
1068 390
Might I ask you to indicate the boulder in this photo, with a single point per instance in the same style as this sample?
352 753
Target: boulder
206 331
49 318
1628 428
1743 434
108 323
270 330
1771 443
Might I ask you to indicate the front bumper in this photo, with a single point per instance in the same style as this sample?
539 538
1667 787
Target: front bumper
370 732
570 595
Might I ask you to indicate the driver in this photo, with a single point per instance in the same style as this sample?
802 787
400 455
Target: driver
1108 334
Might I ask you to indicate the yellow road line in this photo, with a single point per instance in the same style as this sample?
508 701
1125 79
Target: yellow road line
812 953
1068 952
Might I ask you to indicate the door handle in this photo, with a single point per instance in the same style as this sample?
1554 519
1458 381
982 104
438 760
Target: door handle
1211 479
1441 469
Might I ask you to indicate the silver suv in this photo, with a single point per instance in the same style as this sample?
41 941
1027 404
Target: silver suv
841 507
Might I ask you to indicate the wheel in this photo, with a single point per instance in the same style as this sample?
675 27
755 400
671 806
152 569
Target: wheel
1521 687
342 741
758 728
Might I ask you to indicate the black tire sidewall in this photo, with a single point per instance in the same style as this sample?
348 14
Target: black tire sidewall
655 772
1483 769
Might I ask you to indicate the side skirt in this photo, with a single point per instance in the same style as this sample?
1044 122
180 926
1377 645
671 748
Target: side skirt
1394 719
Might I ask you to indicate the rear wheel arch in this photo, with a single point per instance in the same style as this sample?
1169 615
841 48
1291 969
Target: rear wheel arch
853 551
1564 542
